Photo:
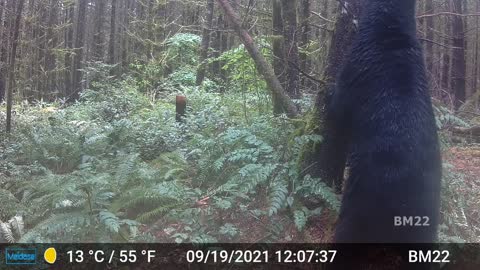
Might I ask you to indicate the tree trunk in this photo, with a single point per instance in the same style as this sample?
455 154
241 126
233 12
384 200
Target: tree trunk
235 4
99 34
79 49
150 31
475 61
261 63
69 17
51 44
3 48
125 38
112 41
305 39
40 49
324 13
11 66
216 45
445 75
327 159
429 36
205 42
459 62
289 10
278 51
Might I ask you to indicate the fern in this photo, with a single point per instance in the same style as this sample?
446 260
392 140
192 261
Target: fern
126 167
316 187
300 219
278 197
111 221
12 229
157 213
9 204
69 225
6 232
446 117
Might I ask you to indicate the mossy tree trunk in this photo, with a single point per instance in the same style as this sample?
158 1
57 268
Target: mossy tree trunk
11 64
277 48
289 11
326 160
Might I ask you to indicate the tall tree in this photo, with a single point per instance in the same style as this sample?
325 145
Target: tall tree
207 26
99 34
429 36
125 38
278 51
445 73
51 44
289 11
11 62
305 37
235 4
475 61
459 64
79 49
3 47
69 19
217 44
150 31
112 41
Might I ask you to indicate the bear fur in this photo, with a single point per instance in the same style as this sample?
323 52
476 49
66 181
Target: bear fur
382 105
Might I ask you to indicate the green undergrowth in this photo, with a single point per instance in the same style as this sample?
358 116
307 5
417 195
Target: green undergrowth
116 166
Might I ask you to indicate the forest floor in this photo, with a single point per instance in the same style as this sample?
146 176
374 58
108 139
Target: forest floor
465 160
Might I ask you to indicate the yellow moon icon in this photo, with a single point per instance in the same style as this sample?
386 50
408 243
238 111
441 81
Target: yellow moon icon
50 255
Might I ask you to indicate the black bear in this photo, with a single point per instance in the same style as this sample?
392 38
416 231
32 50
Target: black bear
382 105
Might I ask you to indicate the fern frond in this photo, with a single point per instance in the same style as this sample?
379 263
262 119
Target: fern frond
300 219
278 197
6 232
111 221
156 213
16 223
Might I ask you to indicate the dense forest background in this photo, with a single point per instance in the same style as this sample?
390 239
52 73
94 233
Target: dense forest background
95 148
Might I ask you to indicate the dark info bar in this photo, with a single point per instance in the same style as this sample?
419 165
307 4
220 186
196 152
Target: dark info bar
241 256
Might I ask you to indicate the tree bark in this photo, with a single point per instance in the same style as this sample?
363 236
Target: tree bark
305 38
99 34
289 11
429 36
445 73
3 48
216 46
79 50
235 4
69 17
112 41
475 61
261 63
11 68
278 51
51 44
205 42
459 65
150 31
129 4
